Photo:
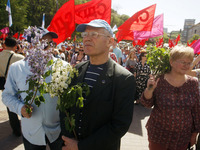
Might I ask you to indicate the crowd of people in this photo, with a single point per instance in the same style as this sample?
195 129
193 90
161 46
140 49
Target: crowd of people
118 76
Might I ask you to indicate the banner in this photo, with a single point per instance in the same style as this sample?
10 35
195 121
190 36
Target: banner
177 39
63 23
3 36
196 46
121 35
5 30
16 35
140 21
94 9
190 44
157 29
8 8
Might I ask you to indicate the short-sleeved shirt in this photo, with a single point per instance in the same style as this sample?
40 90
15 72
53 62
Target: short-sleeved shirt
117 52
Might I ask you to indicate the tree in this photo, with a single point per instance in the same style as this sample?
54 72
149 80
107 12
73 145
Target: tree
19 12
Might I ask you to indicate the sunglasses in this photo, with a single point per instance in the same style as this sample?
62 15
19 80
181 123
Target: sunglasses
81 50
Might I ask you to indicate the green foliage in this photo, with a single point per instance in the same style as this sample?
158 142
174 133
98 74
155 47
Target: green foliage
158 60
73 96
32 93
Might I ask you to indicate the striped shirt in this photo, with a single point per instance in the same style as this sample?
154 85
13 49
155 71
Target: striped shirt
92 74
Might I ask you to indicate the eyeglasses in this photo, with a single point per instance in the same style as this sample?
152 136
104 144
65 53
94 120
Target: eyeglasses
93 34
185 63
81 50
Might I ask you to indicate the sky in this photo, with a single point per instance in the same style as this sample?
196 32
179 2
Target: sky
175 11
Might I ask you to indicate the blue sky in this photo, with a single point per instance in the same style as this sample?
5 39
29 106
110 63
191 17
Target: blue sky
175 11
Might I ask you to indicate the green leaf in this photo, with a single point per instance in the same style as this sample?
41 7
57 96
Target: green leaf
37 101
31 85
50 63
41 98
47 73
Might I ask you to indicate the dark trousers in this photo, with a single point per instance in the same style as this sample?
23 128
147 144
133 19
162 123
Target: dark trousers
14 121
56 145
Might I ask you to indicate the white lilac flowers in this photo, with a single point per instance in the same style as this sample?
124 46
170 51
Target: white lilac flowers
61 78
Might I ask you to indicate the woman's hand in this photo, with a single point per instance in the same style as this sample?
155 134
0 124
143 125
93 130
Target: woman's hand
152 83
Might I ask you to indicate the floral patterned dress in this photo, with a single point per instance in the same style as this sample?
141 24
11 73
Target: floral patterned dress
175 114
142 75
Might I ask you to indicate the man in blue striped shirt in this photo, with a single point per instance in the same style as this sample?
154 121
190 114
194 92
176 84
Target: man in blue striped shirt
107 112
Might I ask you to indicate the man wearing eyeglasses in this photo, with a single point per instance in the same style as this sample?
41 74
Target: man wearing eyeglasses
107 112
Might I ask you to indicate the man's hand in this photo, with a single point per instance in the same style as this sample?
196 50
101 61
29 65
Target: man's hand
24 112
70 144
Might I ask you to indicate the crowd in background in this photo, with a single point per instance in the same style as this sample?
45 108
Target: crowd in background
132 58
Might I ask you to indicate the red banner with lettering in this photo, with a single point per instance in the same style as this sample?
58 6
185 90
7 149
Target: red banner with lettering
140 21
94 9
63 22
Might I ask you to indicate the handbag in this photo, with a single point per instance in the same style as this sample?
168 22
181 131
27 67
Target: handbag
3 79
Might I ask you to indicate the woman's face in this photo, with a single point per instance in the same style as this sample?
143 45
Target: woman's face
144 57
181 66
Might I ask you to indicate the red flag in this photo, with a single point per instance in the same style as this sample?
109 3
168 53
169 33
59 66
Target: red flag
134 43
171 44
142 42
21 37
3 36
63 22
191 43
94 9
178 39
74 38
160 42
120 35
16 35
140 21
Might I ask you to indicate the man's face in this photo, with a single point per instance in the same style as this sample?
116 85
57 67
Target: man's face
95 46
48 37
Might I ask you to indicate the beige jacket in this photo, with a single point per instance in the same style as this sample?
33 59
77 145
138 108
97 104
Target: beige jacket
4 56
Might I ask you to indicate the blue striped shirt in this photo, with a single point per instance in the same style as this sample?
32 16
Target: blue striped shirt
92 74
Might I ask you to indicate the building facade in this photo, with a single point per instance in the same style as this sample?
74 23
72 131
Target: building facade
187 25
194 30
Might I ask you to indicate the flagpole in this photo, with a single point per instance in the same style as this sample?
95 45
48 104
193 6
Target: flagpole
75 29
57 5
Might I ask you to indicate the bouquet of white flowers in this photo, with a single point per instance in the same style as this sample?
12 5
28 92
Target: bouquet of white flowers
68 96
41 66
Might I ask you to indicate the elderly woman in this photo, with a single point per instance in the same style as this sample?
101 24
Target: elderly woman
175 118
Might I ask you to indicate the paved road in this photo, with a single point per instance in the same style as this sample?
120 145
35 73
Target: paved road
134 139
